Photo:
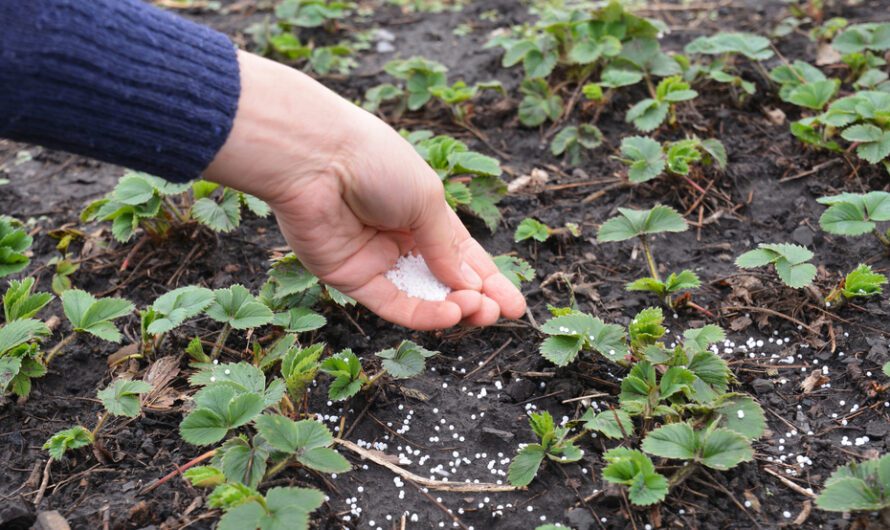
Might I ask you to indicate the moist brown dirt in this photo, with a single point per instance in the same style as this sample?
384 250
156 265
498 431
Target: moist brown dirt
748 204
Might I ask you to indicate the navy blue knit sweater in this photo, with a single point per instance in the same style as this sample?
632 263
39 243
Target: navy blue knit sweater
116 80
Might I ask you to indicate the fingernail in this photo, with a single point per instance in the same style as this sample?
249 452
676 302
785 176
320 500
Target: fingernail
470 276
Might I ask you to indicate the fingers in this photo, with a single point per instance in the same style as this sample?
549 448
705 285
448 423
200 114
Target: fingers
381 296
440 241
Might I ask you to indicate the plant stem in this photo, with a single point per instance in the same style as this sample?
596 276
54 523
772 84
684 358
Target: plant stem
220 341
370 382
277 468
58 347
99 424
882 238
682 474
178 470
176 211
650 261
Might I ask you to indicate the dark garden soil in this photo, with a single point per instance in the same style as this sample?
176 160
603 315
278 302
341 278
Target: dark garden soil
475 398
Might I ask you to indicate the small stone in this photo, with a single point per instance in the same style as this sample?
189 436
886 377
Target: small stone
488 432
762 386
51 520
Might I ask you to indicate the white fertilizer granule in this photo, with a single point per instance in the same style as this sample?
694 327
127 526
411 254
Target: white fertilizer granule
411 275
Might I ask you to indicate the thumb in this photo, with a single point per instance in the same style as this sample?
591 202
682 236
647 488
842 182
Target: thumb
440 239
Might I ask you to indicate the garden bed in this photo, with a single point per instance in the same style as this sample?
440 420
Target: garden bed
472 403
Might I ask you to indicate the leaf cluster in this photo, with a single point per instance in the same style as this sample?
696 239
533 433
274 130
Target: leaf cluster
650 113
790 261
553 444
858 486
453 162
14 241
647 159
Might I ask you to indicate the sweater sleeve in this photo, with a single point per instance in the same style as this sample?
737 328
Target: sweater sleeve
116 80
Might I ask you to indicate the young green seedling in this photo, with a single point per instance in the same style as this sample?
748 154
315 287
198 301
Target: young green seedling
714 447
632 468
648 159
804 85
142 200
14 242
20 354
171 310
236 308
420 76
790 261
856 214
233 395
516 269
861 120
539 103
121 398
20 302
533 229
861 282
299 367
649 114
310 13
457 98
573 140
553 444
570 332
404 362
640 224
471 179
87 314
858 486
280 507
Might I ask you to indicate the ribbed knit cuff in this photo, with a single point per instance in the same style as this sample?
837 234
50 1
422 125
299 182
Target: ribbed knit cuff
117 80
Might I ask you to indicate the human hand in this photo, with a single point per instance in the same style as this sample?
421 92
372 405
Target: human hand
351 196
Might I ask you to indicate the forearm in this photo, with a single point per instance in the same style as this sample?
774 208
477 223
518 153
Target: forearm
116 80
288 128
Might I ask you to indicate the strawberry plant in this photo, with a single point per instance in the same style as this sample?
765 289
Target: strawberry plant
20 302
856 214
647 159
517 270
236 308
20 354
20 337
420 76
539 103
858 486
571 141
685 389
471 179
533 229
233 395
723 68
571 331
635 470
171 310
553 445
650 113
405 361
90 315
310 13
121 398
857 44
155 205
861 282
241 464
860 119
573 38
639 224
804 85
14 243
790 261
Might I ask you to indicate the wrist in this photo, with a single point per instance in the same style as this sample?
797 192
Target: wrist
275 141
